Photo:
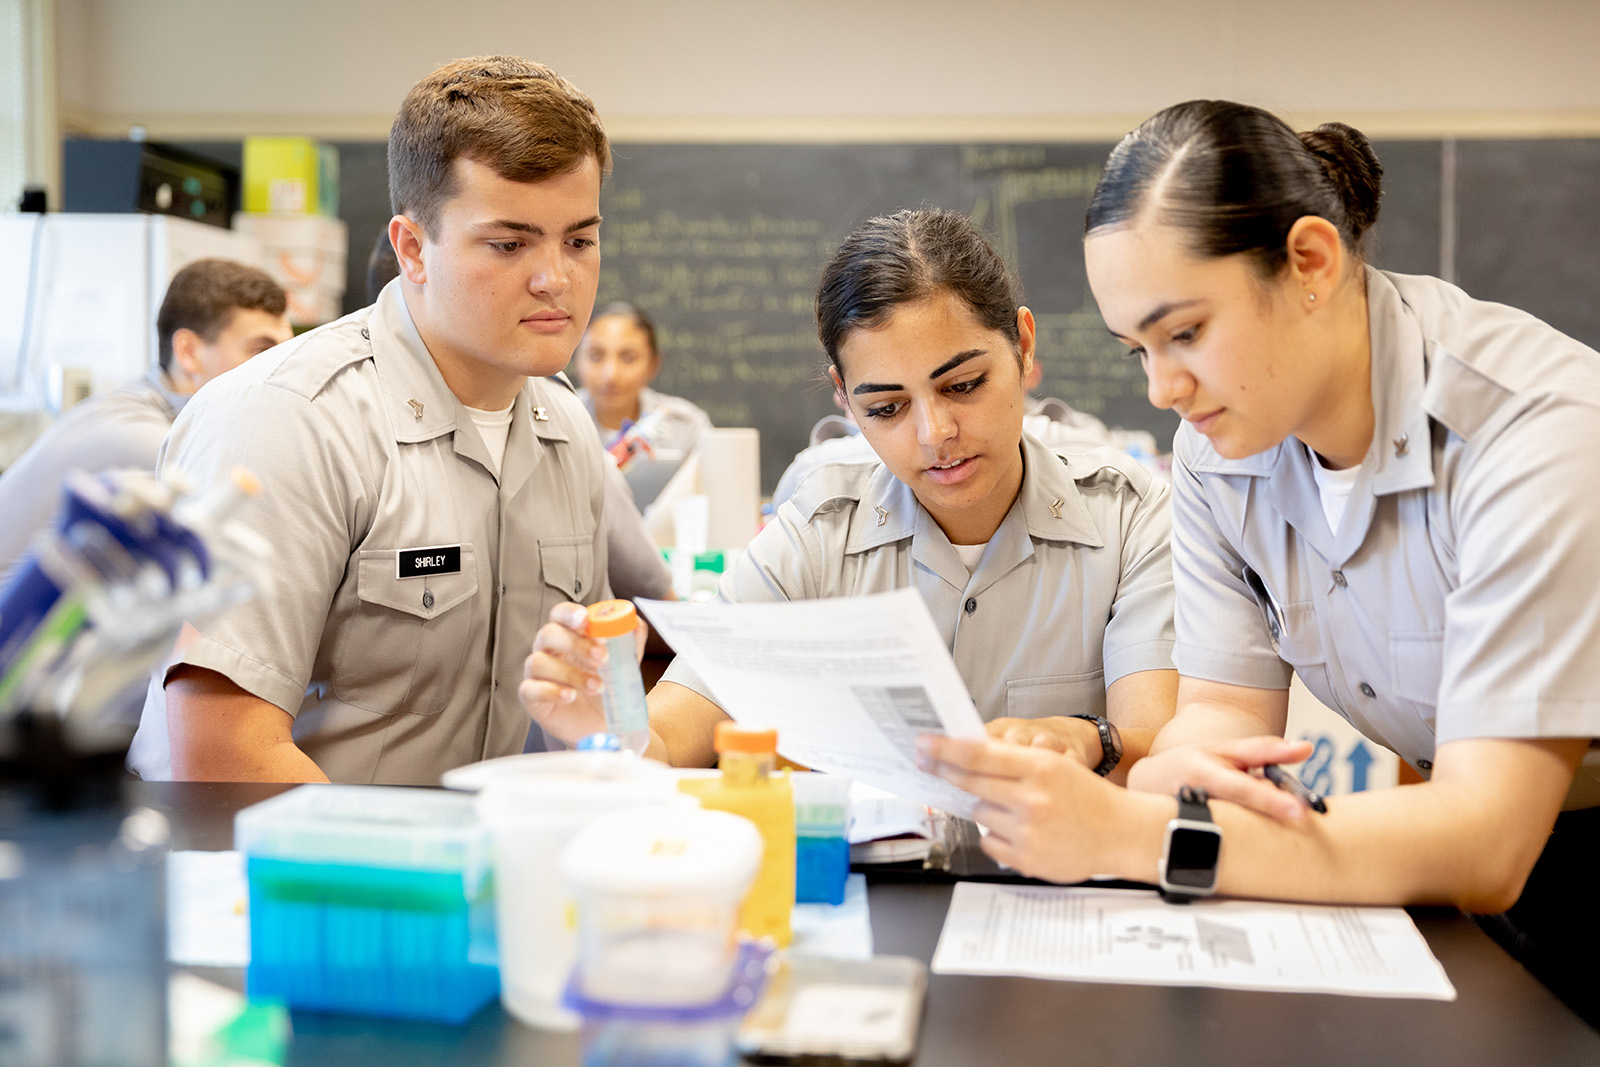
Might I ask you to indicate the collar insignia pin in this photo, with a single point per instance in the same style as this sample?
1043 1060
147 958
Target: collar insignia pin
1402 444
1055 507
883 514
541 415
416 407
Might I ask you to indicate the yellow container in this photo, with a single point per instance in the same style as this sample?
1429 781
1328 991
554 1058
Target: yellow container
291 175
748 787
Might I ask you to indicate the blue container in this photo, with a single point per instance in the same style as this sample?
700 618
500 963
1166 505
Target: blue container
822 851
370 900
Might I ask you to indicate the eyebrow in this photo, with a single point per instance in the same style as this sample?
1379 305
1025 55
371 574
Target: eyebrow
938 372
530 228
1161 312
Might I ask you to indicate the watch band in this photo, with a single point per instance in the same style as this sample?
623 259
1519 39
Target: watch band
1110 743
1194 803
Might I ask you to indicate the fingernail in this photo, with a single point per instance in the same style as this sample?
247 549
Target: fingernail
593 685
924 744
567 696
924 762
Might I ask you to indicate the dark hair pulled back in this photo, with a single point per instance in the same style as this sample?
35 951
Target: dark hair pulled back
910 256
1233 179
625 310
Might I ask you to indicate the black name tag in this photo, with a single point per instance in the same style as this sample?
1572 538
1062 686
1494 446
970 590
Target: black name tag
421 562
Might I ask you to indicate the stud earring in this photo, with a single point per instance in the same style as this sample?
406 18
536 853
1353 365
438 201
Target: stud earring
1311 297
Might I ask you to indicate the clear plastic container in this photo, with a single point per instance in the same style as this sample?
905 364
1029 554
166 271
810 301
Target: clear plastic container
658 893
822 850
627 715
695 1036
533 805
371 900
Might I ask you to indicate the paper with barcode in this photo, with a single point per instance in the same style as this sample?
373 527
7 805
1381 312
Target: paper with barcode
848 683
1120 935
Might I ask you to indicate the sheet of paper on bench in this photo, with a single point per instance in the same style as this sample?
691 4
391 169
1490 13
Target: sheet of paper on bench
848 683
1121 935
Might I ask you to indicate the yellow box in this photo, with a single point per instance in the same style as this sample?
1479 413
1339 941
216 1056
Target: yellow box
291 175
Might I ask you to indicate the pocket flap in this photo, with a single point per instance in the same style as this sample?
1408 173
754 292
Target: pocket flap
567 564
425 597
1059 694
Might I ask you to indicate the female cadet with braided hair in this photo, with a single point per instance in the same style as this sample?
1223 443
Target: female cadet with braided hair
1382 485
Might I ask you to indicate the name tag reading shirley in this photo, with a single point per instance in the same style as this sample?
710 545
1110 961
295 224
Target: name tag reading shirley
422 562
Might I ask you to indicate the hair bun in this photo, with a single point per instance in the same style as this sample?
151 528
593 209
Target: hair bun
1347 158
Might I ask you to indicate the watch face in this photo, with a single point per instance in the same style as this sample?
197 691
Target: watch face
1192 856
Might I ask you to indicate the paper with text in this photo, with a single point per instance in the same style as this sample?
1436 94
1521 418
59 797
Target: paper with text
848 683
1119 935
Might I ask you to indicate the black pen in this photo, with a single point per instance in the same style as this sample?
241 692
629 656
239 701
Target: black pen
1287 782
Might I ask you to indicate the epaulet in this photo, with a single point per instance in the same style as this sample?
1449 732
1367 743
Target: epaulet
834 486
1103 464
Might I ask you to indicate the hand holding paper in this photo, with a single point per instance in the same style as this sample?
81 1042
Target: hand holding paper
847 683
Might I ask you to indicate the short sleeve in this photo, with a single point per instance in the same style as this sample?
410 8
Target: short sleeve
632 560
1222 630
310 479
1139 634
1521 653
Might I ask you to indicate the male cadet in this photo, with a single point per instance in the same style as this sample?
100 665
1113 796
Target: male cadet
216 314
428 495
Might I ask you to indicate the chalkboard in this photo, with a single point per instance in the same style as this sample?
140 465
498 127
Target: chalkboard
723 245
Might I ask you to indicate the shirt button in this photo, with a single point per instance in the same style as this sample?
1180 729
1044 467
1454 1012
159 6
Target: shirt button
366 335
427 599
577 586
1424 764
1367 691
1338 579
971 605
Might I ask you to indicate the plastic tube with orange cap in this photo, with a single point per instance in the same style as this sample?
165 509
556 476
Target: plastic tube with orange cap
627 715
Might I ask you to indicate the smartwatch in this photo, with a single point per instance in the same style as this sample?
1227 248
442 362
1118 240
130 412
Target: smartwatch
1110 743
1189 859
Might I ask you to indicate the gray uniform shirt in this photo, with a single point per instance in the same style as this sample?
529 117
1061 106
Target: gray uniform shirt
1457 598
363 452
121 429
1073 591
669 423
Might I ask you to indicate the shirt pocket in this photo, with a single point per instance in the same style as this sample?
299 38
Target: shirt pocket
403 648
1416 666
567 565
1059 694
1298 642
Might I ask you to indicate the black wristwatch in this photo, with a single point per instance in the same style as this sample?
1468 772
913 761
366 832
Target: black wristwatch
1189 859
1110 743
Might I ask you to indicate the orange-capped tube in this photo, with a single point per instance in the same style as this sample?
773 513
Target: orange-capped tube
731 737
612 618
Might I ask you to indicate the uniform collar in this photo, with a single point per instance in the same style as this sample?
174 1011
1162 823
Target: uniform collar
889 512
419 403
421 406
161 385
1399 458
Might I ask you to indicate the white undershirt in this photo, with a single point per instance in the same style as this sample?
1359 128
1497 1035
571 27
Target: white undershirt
1334 487
970 554
494 427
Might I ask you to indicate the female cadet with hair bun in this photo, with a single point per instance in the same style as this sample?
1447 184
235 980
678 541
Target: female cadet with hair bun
1049 576
616 361
1381 484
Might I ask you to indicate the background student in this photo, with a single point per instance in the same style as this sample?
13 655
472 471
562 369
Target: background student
615 364
216 314
1049 576
1381 484
431 494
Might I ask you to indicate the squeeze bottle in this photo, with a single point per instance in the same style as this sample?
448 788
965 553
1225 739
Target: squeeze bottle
748 787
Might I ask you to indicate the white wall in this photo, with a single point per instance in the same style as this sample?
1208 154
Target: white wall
841 68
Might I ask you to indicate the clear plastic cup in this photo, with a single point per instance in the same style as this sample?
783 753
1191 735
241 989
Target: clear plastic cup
658 893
